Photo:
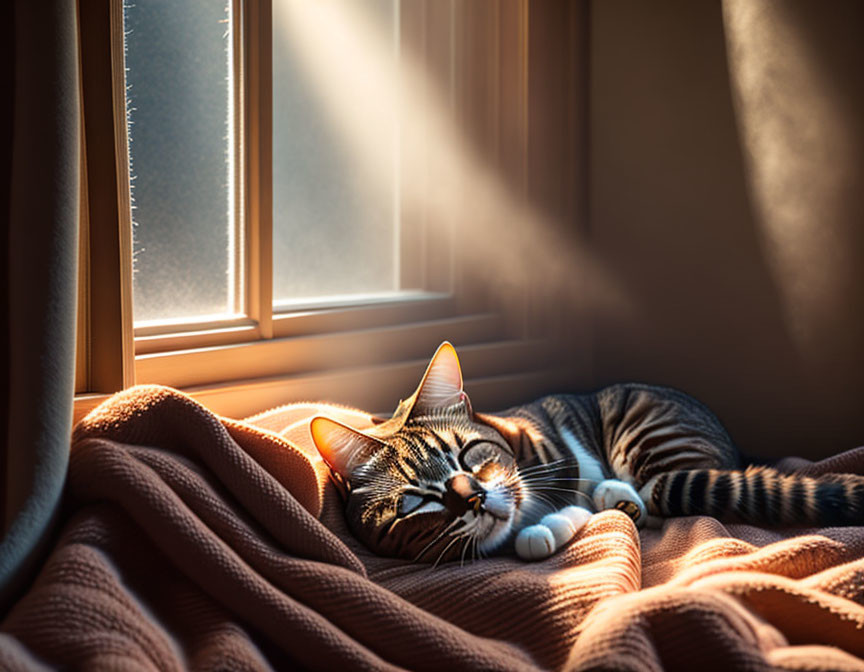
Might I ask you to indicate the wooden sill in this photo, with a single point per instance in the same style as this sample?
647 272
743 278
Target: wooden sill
497 375
308 354
414 307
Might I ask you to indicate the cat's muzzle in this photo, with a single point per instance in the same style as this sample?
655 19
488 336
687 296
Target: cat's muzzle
464 493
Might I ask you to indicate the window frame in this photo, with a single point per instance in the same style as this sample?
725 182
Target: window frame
241 366
254 193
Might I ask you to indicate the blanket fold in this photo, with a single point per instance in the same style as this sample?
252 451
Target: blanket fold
198 542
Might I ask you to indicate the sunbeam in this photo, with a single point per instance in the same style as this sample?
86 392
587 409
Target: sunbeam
795 130
370 97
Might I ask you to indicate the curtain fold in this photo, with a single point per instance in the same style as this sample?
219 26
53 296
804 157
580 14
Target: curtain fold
796 74
726 164
41 282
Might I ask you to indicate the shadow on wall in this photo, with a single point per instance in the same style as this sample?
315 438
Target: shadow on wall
724 159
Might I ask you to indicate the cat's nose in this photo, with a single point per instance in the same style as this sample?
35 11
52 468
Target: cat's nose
463 493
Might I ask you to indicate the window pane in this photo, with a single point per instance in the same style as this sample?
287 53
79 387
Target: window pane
334 220
180 97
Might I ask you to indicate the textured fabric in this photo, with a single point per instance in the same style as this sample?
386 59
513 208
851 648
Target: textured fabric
198 542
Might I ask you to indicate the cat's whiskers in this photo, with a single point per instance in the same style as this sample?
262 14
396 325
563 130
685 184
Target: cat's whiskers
551 497
455 538
541 478
467 534
550 473
438 537
554 465
549 488
465 546
551 503
542 468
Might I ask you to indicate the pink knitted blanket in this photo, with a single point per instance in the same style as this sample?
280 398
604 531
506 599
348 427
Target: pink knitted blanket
196 542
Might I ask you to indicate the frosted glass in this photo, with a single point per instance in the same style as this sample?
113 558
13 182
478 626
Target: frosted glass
179 89
334 228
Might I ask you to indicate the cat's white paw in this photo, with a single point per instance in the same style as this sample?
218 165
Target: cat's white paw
535 542
578 515
554 531
615 494
565 523
561 527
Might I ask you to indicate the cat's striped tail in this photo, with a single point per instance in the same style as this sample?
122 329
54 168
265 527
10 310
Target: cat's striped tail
758 495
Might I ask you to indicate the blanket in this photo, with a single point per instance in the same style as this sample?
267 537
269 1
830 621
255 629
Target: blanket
197 542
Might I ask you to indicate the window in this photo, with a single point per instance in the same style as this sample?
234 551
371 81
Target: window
262 219
185 170
335 202
336 223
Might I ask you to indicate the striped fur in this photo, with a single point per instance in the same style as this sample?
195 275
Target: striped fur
759 495
438 481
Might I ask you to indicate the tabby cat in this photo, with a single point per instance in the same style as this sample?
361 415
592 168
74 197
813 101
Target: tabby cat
439 481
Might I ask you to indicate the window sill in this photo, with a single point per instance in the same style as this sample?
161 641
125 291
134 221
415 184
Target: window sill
302 320
497 375
306 354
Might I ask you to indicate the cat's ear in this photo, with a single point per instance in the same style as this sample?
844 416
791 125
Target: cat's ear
441 385
342 448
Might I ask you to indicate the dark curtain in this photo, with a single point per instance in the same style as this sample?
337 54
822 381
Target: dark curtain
40 135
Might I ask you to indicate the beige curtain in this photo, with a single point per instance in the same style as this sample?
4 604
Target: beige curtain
727 160
797 73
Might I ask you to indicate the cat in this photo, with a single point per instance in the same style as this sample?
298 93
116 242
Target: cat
438 480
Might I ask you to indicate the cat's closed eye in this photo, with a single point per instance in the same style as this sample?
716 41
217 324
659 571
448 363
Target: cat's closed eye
479 452
416 504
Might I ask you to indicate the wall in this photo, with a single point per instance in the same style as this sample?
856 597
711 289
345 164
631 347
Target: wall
681 219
